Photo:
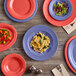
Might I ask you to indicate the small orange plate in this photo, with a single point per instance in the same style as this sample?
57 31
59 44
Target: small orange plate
13 36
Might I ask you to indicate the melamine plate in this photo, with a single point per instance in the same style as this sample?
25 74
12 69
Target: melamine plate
72 53
13 35
21 9
17 20
56 22
13 65
53 42
66 54
63 17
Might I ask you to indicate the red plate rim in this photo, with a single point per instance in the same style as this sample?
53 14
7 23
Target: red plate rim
2 25
18 16
17 56
56 22
65 53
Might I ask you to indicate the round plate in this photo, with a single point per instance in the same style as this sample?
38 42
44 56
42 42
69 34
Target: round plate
21 9
13 65
17 20
66 53
72 53
63 17
53 42
56 22
14 36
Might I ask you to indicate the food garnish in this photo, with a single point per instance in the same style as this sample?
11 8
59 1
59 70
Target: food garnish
60 8
5 36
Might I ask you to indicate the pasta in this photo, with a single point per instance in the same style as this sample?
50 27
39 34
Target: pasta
40 42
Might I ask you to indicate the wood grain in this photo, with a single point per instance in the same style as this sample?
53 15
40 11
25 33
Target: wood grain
21 28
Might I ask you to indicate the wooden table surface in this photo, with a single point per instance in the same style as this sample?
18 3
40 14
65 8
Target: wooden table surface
21 28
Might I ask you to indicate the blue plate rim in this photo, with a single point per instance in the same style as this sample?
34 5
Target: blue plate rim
55 39
71 57
16 20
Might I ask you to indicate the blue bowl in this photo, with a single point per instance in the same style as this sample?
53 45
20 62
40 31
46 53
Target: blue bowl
16 20
53 43
63 17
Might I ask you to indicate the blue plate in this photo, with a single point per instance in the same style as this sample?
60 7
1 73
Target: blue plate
6 11
63 17
32 32
72 53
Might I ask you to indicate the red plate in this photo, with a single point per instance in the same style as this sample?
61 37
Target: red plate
13 65
13 35
65 53
21 9
56 22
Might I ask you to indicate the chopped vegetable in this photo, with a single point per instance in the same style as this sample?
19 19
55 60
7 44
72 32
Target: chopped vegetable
60 9
40 42
5 36
44 38
1 42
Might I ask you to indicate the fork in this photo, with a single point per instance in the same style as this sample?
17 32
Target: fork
60 70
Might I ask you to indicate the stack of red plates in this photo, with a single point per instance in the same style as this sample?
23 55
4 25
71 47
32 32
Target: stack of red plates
57 22
20 10
70 54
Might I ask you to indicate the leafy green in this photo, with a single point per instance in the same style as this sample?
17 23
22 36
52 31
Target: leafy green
60 9
1 42
40 42
64 11
59 14
55 5
4 30
44 38
59 4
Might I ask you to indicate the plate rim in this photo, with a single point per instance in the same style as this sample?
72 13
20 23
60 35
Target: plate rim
66 55
17 16
56 45
13 55
71 59
16 20
55 22
14 38
60 18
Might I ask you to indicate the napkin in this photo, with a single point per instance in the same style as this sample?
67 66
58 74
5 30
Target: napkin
71 27
60 71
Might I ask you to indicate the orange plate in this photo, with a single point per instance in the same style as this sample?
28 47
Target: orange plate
66 55
21 9
13 33
56 22
13 65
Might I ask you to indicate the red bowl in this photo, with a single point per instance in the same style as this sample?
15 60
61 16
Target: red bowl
66 53
21 9
13 65
13 35
56 22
